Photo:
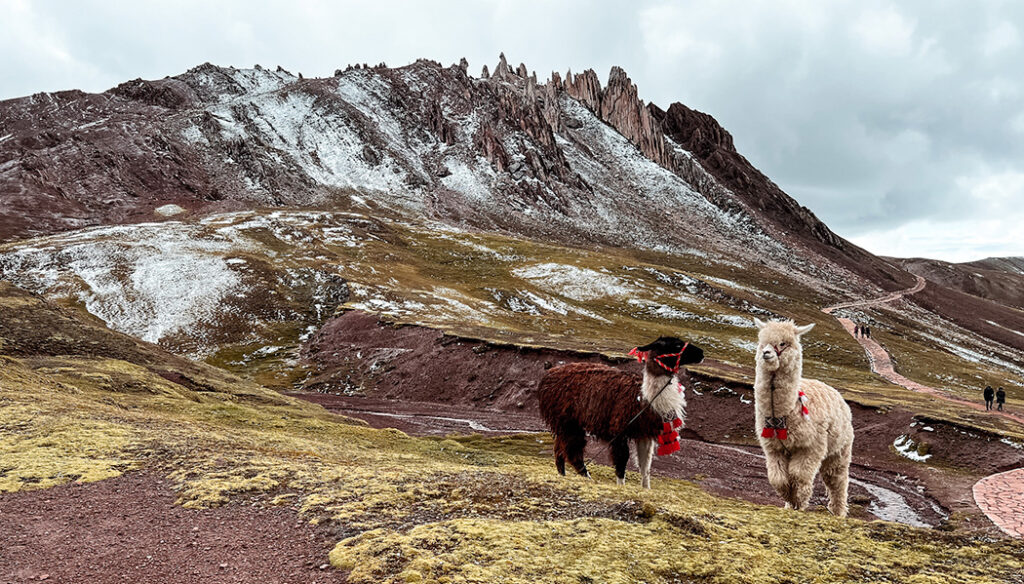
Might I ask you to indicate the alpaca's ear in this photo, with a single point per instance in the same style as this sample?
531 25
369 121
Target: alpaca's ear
759 323
802 330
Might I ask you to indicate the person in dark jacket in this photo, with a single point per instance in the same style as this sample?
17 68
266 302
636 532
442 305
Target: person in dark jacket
989 394
856 330
865 332
1000 398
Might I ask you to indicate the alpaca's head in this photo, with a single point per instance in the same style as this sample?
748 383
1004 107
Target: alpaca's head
778 344
668 349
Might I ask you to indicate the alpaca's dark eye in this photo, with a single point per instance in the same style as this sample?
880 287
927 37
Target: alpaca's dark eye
783 344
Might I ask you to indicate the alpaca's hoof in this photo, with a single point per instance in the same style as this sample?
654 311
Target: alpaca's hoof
620 481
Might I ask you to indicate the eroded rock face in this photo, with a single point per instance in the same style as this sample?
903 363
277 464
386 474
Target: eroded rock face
625 111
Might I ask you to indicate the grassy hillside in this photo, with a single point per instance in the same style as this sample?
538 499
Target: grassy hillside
79 402
270 279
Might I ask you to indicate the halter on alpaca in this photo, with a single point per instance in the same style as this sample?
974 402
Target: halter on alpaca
775 427
641 356
668 440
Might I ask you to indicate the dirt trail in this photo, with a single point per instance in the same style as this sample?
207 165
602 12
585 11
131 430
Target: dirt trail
1000 496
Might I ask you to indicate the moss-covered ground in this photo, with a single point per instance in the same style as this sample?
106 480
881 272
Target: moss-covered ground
439 510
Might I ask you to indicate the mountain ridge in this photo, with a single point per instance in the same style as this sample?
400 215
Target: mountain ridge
220 139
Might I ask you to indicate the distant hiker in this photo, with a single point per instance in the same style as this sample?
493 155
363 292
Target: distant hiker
856 330
1000 398
989 394
866 331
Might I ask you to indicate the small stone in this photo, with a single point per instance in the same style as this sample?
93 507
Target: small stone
324 566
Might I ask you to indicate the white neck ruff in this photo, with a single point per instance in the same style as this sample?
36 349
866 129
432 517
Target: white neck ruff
671 402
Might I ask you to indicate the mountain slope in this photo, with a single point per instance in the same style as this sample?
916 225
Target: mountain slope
568 161
996 279
374 159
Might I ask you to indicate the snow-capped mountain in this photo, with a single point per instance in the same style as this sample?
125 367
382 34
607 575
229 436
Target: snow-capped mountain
226 213
566 160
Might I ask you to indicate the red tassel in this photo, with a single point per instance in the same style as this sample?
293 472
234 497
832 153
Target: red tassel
782 433
668 437
666 428
676 423
767 432
668 448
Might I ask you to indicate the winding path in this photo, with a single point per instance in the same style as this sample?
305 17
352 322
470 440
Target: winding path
1000 496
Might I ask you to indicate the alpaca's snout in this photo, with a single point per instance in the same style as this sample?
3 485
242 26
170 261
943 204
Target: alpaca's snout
768 354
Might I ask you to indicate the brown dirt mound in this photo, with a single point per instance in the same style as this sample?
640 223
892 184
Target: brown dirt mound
128 529
356 354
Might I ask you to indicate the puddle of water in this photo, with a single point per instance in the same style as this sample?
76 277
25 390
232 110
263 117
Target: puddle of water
887 504
890 505
473 424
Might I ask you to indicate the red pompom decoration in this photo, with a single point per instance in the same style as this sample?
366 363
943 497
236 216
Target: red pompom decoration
668 448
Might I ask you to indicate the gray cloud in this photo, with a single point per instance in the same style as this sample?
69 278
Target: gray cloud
899 123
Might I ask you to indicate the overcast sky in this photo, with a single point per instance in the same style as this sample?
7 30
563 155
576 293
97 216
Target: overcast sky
900 124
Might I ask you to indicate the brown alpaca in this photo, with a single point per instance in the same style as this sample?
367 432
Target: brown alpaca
584 398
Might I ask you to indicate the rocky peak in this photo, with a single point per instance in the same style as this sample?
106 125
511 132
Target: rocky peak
585 88
621 107
502 70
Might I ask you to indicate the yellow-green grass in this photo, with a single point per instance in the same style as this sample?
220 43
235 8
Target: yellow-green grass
438 510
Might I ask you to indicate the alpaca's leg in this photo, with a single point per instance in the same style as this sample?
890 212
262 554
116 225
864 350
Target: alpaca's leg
644 455
575 444
835 473
802 468
778 475
620 457
559 449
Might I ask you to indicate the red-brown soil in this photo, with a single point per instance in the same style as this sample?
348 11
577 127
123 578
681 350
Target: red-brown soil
128 529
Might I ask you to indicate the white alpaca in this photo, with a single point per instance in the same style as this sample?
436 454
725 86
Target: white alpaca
803 424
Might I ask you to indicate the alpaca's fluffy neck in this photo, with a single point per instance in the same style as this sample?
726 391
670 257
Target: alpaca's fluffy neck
670 402
786 383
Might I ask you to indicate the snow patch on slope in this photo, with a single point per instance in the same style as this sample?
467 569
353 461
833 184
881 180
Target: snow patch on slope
149 281
574 282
